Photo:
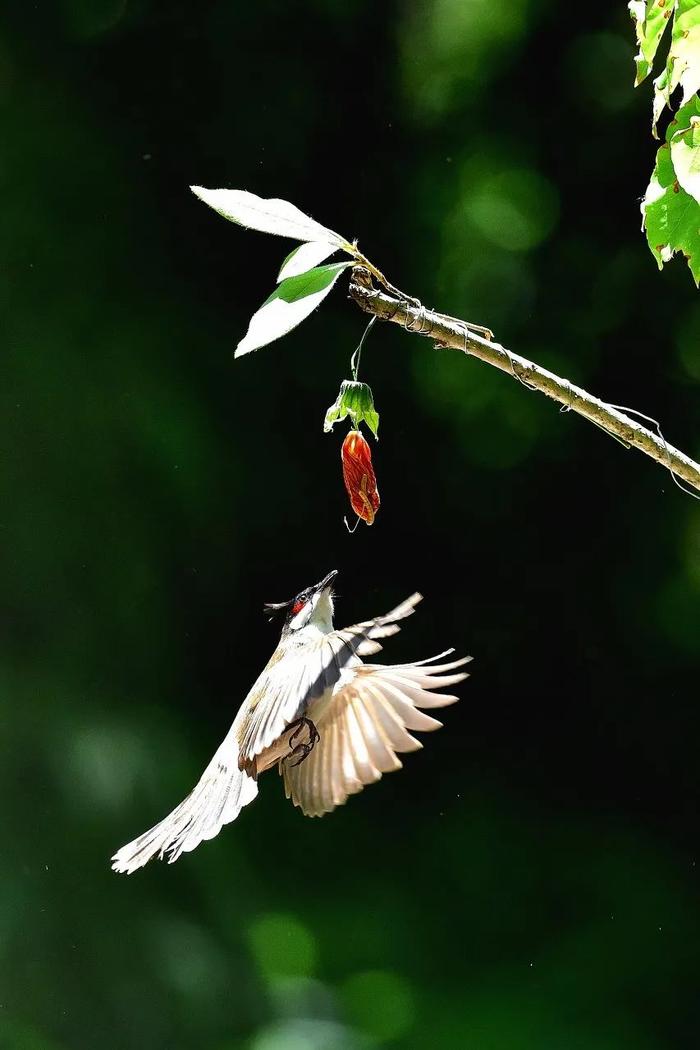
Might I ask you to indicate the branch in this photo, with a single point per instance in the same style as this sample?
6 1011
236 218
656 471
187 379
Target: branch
457 335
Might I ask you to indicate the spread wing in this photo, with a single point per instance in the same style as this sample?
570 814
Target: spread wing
228 783
303 674
366 723
222 792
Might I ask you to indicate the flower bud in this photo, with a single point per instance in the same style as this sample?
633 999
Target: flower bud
358 475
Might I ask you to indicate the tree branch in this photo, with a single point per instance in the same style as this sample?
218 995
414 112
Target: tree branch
455 334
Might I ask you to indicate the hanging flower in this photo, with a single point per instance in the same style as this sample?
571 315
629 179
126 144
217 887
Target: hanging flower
359 477
354 400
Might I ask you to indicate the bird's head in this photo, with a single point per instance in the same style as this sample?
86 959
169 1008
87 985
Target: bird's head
313 607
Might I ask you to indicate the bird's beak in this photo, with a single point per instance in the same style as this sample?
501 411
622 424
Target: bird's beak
327 581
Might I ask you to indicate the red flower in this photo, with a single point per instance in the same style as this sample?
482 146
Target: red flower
358 475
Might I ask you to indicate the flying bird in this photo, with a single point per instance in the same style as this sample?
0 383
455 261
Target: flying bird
330 723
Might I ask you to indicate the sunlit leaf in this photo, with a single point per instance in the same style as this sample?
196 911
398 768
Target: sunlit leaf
650 18
671 217
662 97
683 63
305 257
268 216
685 147
356 401
292 301
686 53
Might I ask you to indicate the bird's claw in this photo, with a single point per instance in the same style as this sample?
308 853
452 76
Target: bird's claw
303 750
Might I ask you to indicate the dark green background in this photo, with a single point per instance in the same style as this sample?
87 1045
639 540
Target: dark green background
529 881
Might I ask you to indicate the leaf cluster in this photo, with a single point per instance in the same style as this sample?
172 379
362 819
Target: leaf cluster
671 205
302 283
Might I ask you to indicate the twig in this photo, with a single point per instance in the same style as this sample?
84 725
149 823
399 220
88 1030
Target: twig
460 335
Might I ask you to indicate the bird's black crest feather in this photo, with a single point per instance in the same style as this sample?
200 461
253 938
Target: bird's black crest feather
271 609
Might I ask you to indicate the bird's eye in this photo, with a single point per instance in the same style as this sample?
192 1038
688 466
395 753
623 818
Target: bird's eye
297 607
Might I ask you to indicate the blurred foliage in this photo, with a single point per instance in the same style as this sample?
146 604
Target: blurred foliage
529 881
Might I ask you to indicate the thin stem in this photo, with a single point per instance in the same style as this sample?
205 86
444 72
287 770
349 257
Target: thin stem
355 359
460 335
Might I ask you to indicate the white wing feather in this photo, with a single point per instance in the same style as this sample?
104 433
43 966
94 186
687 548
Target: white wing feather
304 674
364 726
218 798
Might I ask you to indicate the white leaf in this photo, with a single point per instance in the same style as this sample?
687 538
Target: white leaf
637 9
305 257
292 300
268 216
685 148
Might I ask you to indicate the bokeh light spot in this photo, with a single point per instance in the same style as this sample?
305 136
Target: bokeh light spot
103 765
515 209
448 44
307 1034
495 427
462 25
302 997
188 958
282 946
380 1003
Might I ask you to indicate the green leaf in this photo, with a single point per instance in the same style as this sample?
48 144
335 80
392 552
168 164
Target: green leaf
650 20
683 62
305 257
685 147
356 401
290 303
685 48
662 97
670 216
269 216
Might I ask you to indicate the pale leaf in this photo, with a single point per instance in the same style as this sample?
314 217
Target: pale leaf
650 21
292 301
305 257
671 217
685 147
269 216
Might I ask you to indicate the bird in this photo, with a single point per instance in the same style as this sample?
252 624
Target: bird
329 721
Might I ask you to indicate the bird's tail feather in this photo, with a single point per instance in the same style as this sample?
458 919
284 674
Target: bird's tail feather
218 798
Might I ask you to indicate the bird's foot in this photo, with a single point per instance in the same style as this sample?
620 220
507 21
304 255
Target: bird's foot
303 750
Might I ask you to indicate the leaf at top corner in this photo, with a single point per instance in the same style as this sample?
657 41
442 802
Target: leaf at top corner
291 302
685 48
304 257
354 400
684 143
650 19
683 63
269 216
670 216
